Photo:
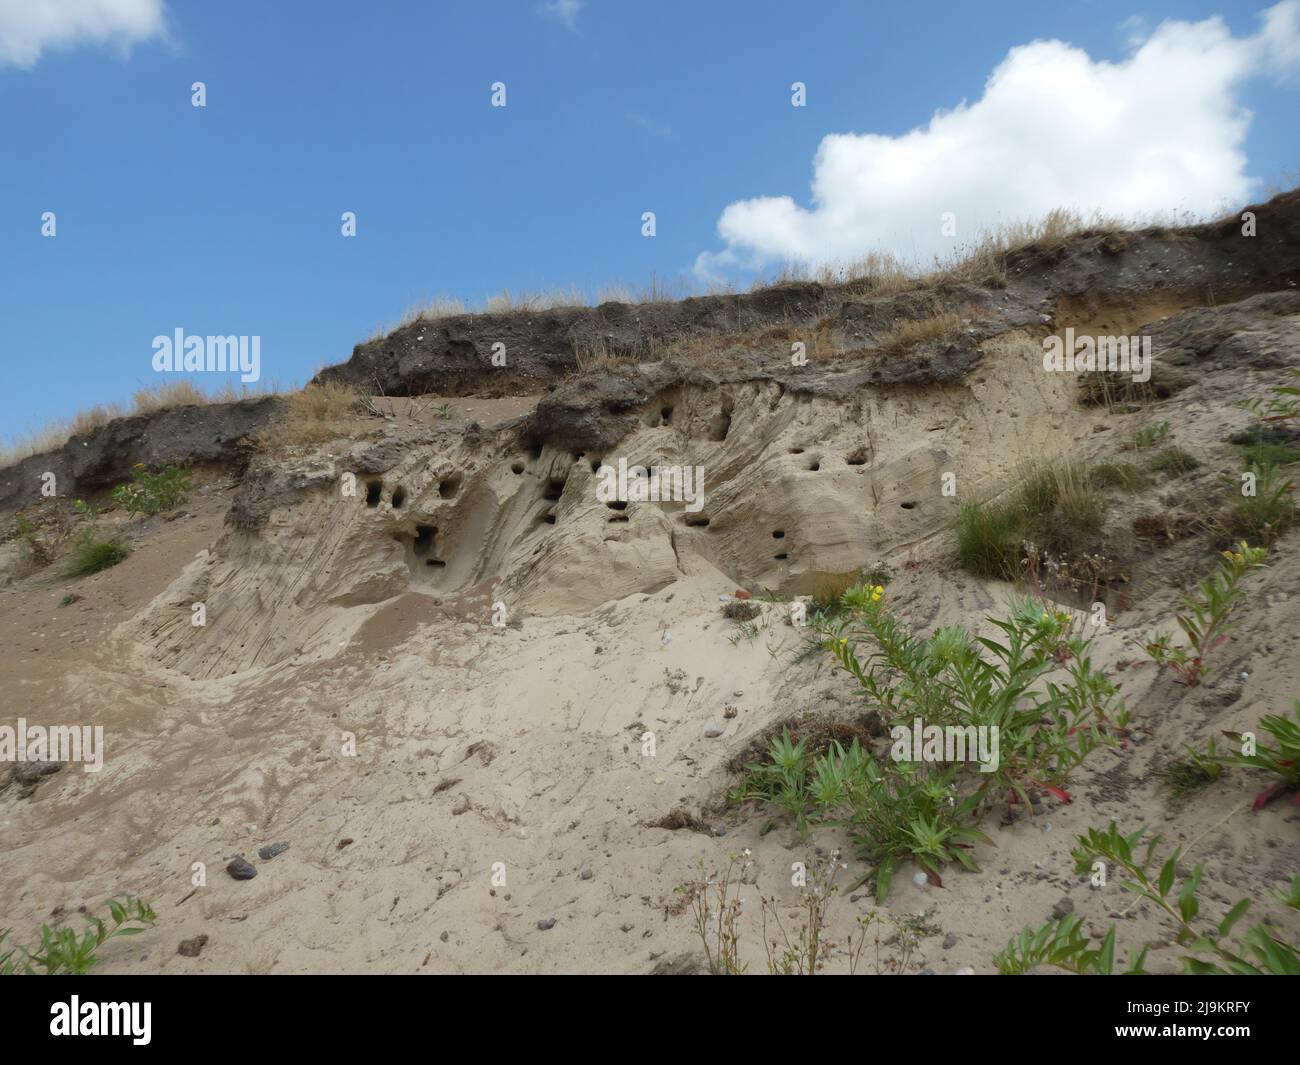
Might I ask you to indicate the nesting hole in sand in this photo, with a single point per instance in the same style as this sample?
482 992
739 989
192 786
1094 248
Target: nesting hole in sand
720 426
796 451
554 489
781 557
617 504
666 416
778 534
595 465
617 517
517 467
814 465
374 489
908 505
449 486
857 458
424 535
434 562
399 497
696 520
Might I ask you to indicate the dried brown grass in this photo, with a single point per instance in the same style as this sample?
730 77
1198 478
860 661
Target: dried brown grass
312 415
945 327
164 396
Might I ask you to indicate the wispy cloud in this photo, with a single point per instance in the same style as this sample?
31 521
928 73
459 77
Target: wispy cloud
564 11
29 28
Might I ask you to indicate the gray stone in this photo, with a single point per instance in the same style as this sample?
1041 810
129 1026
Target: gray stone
241 869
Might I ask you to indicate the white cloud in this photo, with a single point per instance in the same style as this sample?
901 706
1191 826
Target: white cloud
565 11
30 27
1160 132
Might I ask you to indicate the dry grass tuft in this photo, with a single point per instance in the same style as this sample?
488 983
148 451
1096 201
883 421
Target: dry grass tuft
312 415
181 393
945 327
594 354
165 396
875 274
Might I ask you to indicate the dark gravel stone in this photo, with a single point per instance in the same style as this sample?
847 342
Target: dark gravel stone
241 870
190 948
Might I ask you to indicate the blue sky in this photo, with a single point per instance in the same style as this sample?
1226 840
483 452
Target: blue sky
226 219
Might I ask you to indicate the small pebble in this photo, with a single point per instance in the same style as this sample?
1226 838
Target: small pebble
190 948
240 869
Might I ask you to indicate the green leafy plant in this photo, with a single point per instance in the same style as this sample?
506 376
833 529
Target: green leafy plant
781 781
151 493
1268 511
62 950
899 810
910 812
1149 436
1283 404
1045 727
1211 950
1282 760
1206 616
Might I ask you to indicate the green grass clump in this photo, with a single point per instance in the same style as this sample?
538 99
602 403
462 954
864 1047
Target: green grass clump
1181 778
1263 453
988 539
89 555
1122 475
1174 461
1058 508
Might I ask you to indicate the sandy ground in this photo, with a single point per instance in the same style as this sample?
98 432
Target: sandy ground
448 788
